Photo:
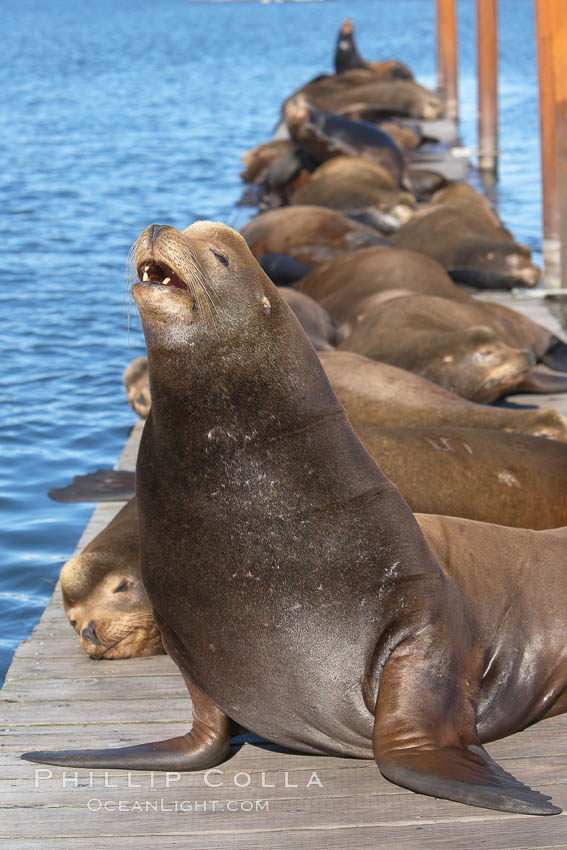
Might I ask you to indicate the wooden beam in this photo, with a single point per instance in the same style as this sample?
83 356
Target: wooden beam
551 27
487 68
447 57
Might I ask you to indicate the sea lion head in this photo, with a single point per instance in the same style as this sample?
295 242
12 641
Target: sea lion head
484 367
216 326
135 379
108 607
491 263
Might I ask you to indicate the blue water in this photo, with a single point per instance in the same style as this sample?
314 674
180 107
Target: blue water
118 114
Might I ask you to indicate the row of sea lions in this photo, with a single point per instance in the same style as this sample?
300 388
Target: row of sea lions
287 576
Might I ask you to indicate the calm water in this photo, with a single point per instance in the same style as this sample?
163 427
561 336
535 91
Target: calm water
118 114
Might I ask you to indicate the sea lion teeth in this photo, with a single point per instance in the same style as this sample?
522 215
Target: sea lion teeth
145 277
166 280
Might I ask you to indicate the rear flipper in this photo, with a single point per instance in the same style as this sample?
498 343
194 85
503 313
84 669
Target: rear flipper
104 485
207 744
425 735
538 381
556 355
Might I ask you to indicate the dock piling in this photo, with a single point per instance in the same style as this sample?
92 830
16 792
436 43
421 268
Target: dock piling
447 57
487 59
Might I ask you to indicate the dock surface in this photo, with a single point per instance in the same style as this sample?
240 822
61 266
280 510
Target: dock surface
55 697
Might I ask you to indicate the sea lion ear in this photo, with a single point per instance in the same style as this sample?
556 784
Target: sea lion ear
424 698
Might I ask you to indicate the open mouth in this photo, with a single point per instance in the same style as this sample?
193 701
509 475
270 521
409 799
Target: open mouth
159 274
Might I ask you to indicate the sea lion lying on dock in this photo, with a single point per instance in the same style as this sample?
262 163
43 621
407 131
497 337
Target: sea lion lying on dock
310 234
103 595
469 246
326 135
451 343
291 583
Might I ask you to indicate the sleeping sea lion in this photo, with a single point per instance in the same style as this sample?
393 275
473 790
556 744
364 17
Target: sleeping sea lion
103 596
307 233
291 583
437 339
346 287
469 246
360 89
377 394
463 346
350 184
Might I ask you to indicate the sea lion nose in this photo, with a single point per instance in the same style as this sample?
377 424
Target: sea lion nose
153 232
90 634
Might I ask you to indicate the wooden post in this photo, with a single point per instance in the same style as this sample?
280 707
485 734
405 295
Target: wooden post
487 59
551 22
447 57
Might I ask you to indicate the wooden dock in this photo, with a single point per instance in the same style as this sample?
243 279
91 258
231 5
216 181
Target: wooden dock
55 697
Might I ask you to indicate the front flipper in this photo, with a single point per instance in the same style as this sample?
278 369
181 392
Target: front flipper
425 735
556 355
207 744
104 485
538 381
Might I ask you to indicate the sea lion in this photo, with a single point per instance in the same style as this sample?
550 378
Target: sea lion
376 394
326 135
439 340
344 283
491 476
313 318
463 195
463 346
347 58
360 89
307 233
346 287
469 246
103 597
248 470
136 384
351 185
283 270
258 160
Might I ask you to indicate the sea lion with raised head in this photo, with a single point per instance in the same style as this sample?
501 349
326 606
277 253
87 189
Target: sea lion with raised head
326 135
307 233
103 597
248 471
347 58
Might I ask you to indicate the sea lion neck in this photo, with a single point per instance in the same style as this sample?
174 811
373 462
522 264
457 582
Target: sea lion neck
249 388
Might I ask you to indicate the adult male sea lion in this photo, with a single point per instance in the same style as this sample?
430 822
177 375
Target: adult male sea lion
247 471
103 597
308 233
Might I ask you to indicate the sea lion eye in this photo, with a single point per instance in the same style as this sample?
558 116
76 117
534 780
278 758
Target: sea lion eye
220 257
121 587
